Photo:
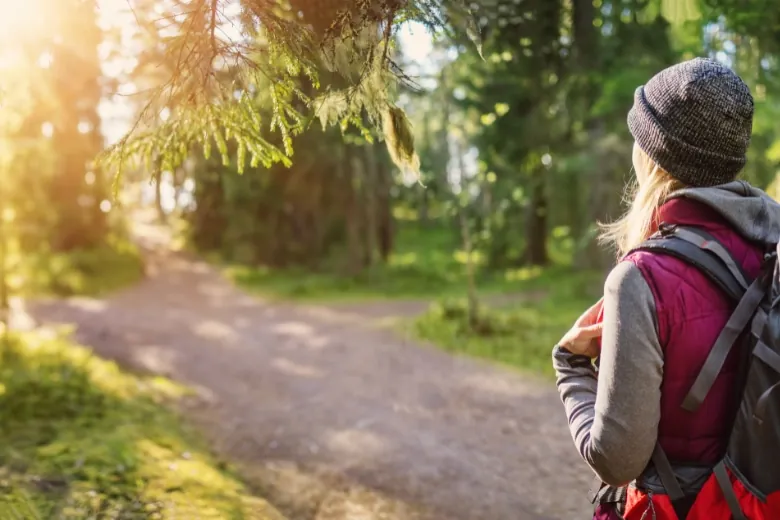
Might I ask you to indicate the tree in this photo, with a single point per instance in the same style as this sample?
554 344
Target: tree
58 64
78 187
342 49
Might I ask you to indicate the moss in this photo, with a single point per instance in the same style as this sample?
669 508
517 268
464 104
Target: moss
79 438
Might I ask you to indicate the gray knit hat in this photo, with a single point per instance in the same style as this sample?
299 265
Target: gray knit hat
694 120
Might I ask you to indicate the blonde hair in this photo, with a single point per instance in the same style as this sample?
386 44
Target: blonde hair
644 198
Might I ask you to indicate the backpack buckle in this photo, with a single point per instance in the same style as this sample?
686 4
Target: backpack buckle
666 229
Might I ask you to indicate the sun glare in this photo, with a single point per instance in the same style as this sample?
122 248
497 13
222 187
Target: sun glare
21 20
26 20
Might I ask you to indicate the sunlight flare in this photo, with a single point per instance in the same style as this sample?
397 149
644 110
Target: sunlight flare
22 21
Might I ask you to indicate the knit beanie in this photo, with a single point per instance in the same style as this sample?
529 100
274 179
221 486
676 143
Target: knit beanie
694 120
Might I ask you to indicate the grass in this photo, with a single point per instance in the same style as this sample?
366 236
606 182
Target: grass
521 335
427 263
80 439
92 272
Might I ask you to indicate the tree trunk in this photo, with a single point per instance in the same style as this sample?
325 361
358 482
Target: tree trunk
423 204
68 190
354 263
385 228
574 210
371 187
591 255
73 79
473 298
536 222
208 219
585 33
468 246
422 207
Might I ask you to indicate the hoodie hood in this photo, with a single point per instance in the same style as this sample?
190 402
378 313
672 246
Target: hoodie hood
753 213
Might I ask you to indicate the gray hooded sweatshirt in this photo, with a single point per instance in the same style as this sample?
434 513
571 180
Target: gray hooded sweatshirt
614 418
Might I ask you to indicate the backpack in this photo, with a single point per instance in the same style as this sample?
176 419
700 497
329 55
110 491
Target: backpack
752 457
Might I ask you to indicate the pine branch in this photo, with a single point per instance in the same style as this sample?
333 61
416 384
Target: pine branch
279 56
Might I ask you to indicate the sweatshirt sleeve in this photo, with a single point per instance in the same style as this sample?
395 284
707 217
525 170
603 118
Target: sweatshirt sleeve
614 418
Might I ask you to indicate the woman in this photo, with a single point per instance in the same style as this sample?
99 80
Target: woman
660 316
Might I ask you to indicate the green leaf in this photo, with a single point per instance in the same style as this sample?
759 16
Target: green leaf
677 12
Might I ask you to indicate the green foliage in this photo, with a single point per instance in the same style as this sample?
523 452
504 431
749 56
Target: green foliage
427 262
521 335
679 12
335 196
97 271
167 146
372 96
341 49
81 439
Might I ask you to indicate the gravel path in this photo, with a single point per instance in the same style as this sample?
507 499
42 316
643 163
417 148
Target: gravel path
332 417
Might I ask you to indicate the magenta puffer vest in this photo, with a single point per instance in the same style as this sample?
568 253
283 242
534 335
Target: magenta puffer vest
691 312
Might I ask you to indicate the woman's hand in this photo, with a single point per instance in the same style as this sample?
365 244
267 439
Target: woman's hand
582 337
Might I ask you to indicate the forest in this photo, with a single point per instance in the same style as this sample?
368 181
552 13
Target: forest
451 158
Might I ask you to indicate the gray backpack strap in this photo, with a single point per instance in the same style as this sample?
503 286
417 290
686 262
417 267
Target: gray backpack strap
670 482
705 241
707 263
737 324
724 482
666 474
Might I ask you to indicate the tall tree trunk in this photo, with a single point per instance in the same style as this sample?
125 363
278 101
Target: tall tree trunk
371 187
536 221
208 219
442 153
74 81
423 204
354 263
591 255
468 245
360 210
385 227
574 210
422 207
321 224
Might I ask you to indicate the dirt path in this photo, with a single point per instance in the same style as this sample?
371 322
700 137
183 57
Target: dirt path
334 418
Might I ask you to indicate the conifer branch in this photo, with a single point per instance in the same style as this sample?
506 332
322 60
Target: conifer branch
219 87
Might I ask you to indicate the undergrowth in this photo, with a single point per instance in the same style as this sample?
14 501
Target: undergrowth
113 265
81 439
522 334
426 263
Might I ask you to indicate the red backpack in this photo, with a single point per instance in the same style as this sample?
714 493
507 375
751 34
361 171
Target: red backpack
745 484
